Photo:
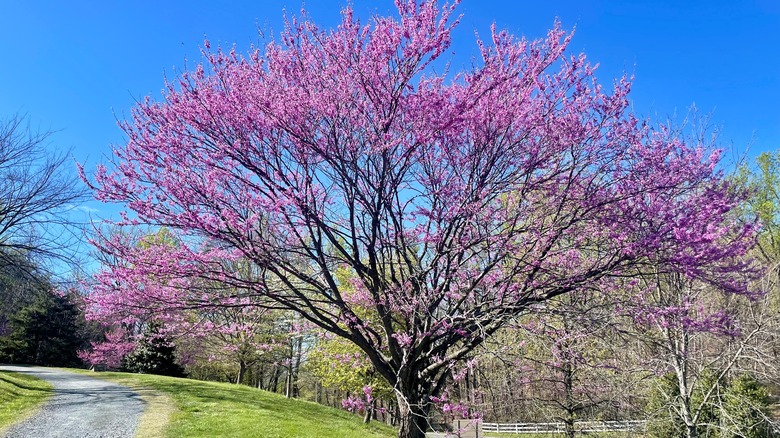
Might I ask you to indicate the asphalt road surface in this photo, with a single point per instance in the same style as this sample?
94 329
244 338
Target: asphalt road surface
81 407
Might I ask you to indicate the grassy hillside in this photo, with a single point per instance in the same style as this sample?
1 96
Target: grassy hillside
20 394
208 409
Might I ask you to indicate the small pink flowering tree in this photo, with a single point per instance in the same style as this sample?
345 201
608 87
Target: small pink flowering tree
457 201
109 352
226 326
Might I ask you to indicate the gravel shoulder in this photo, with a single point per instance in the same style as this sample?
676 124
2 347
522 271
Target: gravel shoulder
81 406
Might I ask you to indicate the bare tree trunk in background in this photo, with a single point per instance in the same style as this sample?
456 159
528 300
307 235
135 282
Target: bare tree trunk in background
241 372
570 407
260 376
298 350
369 414
273 382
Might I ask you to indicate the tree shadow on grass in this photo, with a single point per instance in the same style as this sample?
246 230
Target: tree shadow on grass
21 385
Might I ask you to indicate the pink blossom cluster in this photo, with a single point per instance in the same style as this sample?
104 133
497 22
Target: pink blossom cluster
110 352
357 404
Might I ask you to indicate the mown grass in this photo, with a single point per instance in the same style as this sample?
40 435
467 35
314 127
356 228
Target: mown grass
20 395
209 409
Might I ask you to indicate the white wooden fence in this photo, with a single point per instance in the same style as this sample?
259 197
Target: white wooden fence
580 426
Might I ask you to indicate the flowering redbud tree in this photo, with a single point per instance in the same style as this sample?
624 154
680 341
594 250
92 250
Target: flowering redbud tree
457 201
110 352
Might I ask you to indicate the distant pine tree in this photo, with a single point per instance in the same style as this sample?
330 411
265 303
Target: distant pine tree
47 332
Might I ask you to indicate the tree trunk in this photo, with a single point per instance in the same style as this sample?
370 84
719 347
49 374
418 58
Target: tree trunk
413 416
296 368
370 407
288 383
568 423
241 372
684 386
273 383
568 385
687 417
260 376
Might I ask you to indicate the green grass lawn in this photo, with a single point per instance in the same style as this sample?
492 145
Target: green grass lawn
20 394
208 409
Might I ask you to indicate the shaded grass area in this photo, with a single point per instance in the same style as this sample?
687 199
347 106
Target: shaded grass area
209 409
20 395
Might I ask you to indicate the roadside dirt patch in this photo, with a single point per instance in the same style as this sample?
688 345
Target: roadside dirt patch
157 413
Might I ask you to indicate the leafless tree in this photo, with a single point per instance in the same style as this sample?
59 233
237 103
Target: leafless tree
38 196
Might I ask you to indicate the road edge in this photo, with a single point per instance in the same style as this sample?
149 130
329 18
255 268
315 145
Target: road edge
30 411
159 409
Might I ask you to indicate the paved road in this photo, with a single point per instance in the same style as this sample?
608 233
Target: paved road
81 407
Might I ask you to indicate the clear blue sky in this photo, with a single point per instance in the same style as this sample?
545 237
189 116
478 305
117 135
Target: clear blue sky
73 66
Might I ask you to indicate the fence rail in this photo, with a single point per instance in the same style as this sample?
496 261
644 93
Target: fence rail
580 426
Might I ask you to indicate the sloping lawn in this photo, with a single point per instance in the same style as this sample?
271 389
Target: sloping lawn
20 394
208 409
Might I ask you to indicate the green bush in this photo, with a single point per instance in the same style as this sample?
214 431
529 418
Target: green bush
154 354
735 409
743 409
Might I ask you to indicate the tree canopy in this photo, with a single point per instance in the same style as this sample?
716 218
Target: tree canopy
455 201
